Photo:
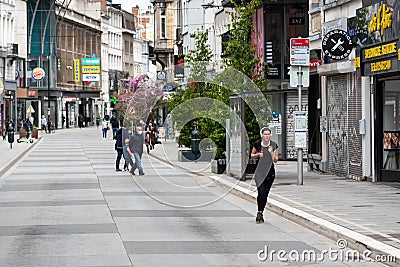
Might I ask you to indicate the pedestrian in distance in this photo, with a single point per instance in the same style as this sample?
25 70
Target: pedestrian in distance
128 156
118 148
136 147
267 152
104 128
114 125
4 134
43 122
98 122
48 124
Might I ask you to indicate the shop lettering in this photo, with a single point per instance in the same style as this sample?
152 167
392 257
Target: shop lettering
381 20
381 50
357 62
381 66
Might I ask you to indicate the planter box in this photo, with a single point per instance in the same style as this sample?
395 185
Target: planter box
218 166
35 133
251 166
185 156
22 133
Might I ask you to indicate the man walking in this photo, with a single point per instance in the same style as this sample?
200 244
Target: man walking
114 124
136 146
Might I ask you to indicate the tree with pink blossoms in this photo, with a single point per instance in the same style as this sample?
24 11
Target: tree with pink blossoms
138 99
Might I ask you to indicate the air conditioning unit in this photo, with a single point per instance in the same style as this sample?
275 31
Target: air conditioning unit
12 49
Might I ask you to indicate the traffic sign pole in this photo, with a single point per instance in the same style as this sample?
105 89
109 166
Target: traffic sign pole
299 150
300 56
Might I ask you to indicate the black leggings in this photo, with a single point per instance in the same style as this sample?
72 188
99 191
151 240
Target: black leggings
263 191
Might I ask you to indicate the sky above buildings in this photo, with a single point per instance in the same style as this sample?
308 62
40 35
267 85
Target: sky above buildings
128 4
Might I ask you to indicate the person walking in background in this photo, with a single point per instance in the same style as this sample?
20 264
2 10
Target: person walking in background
104 128
136 147
114 124
48 124
118 148
267 152
43 122
80 121
98 122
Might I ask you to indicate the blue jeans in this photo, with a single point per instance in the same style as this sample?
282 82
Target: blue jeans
104 130
114 132
138 162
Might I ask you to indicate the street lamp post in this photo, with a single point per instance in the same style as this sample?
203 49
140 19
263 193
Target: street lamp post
48 85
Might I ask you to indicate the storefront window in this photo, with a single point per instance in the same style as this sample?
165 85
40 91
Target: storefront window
391 126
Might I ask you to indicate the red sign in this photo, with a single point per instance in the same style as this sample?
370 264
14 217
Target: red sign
300 42
314 63
32 93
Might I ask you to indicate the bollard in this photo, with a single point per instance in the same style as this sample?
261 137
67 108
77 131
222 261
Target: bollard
10 135
195 143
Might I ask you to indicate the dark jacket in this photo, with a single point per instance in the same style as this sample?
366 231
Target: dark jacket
114 122
118 139
136 143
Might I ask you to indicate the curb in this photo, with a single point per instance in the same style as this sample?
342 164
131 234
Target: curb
335 232
17 158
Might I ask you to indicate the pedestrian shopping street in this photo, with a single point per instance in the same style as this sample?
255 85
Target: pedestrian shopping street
63 204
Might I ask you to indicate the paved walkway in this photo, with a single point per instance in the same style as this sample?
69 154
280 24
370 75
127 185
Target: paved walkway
366 215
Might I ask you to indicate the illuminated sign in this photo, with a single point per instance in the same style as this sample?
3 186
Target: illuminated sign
77 71
357 62
381 20
90 69
90 77
383 58
380 50
87 61
38 74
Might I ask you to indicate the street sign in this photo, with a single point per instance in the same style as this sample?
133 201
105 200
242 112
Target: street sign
91 61
30 109
294 76
300 129
90 77
299 52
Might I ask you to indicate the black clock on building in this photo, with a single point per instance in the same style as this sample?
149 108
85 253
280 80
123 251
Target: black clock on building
337 44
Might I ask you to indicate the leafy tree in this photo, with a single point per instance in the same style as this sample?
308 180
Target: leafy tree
137 100
241 55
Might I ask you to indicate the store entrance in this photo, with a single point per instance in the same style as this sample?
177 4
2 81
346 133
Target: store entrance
390 164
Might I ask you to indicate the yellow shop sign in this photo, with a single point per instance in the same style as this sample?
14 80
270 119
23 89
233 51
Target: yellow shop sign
381 20
90 69
381 66
381 50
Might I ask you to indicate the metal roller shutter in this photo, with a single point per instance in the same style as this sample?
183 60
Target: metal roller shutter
337 124
354 116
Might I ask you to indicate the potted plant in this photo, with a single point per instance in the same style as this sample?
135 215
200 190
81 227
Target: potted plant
22 132
35 132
